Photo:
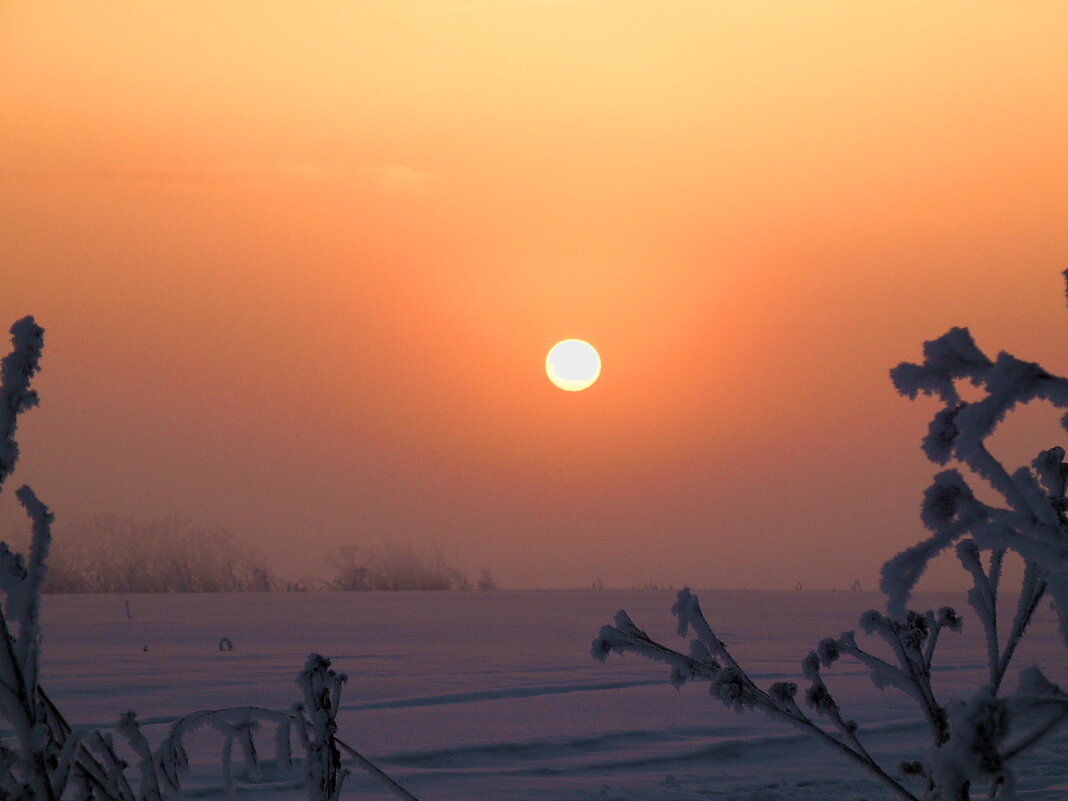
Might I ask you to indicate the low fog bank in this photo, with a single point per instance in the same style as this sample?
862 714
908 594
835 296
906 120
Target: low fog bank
110 554
113 554
174 554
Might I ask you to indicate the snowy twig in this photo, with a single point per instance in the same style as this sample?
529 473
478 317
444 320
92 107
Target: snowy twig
16 371
710 660
969 737
49 755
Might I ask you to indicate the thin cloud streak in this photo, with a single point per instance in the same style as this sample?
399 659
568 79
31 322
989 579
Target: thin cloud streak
402 180
216 173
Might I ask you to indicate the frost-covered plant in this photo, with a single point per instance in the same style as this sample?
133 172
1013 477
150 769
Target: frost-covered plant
393 566
48 760
974 740
322 698
112 554
37 766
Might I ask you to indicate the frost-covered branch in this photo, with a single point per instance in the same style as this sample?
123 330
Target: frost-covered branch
38 765
1033 522
1036 693
316 734
16 371
710 660
970 736
29 606
49 760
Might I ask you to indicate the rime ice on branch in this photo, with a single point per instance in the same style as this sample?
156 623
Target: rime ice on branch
16 370
45 759
24 768
971 740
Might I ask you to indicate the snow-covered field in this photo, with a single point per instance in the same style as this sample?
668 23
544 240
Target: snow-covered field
495 696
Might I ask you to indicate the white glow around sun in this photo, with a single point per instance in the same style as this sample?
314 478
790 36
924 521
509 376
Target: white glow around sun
573 365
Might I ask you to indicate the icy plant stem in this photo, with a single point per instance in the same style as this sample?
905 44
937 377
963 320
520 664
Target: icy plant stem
1034 588
733 685
26 648
48 752
932 642
1055 720
914 668
860 757
374 771
983 598
18 706
983 462
149 780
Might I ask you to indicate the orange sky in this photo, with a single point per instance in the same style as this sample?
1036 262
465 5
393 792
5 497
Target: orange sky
299 268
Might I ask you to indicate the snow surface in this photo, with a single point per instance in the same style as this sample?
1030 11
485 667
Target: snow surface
495 696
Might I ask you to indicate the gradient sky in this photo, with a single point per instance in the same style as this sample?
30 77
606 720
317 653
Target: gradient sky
299 266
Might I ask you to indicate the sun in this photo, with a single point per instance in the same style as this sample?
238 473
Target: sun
573 365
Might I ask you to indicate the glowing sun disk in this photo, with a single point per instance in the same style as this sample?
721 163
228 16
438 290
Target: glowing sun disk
573 365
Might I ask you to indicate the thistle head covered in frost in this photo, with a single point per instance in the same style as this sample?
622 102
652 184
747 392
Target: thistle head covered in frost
971 740
1031 522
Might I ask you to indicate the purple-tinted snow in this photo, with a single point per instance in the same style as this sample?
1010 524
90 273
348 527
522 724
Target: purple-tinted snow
494 696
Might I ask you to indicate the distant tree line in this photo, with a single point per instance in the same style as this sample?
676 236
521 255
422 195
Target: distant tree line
399 566
111 554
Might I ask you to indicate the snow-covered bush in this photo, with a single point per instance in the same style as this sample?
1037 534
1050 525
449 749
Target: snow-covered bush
974 742
110 554
45 758
393 566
